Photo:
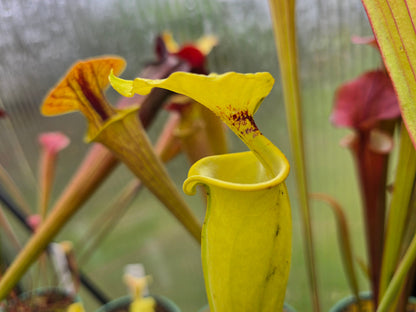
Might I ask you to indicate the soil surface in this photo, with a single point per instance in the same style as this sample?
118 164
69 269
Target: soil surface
50 302
207 310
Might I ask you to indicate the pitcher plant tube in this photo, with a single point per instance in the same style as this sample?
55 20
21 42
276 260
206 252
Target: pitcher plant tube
246 237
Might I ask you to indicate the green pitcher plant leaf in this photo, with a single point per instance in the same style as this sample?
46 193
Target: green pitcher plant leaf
396 283
246 238
410 223
393 24
344 239
399 209
284 26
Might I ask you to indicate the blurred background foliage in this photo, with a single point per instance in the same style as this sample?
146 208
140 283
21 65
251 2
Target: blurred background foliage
39 40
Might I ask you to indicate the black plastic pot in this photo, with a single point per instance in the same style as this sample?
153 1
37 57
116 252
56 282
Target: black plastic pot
163 304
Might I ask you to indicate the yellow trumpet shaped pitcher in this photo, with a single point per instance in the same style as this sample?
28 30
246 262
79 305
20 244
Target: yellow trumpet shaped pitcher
246 237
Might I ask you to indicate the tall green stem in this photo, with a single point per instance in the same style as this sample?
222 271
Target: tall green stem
283 16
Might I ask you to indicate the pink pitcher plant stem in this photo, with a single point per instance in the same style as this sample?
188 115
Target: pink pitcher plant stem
52 143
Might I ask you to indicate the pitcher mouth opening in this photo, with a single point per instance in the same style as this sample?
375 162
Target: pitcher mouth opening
238 171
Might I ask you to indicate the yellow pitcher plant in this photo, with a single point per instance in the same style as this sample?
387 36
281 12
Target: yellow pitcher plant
246 237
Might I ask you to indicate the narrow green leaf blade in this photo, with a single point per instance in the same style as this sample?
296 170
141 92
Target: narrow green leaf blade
344 239
393 24
283 17
403 187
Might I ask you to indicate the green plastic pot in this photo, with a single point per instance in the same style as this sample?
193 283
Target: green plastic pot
349 304
286 308
42 291
164 302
